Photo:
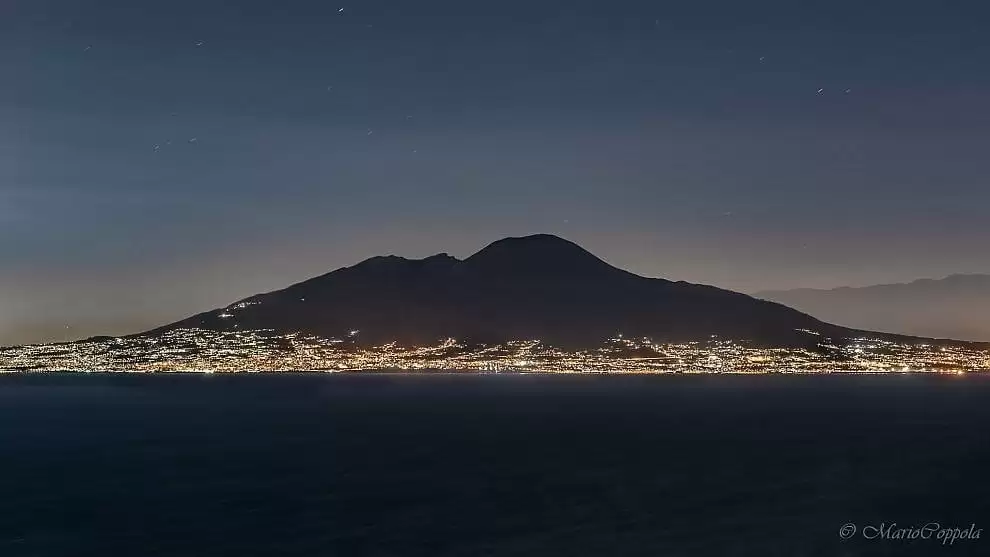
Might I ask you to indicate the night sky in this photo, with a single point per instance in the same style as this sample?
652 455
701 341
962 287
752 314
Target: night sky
159 158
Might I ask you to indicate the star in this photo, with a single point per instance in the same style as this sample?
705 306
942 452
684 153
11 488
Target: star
193 139
340 11
200 43
87 48
822 90
157 147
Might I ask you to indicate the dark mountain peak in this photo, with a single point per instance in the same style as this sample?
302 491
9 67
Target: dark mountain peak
538 253
443 257
380 267
531 287
380 260
386 262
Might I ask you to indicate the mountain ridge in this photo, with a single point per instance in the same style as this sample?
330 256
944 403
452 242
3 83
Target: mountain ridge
954 306
530 287
953 278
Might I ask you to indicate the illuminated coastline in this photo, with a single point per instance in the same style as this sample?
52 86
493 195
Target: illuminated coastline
194 350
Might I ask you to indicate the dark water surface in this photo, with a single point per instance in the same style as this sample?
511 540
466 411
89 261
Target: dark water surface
401 465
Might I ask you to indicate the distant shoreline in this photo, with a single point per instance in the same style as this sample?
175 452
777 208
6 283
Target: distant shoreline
423 372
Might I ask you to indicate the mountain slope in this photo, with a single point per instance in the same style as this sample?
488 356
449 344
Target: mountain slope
957 306
518 288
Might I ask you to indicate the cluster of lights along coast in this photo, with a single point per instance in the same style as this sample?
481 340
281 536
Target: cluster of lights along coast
197 350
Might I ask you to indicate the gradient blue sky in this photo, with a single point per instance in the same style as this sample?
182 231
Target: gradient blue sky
686 140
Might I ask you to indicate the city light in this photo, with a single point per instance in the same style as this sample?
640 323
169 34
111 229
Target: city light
192 350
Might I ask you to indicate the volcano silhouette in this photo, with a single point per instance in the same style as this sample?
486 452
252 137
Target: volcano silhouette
533 287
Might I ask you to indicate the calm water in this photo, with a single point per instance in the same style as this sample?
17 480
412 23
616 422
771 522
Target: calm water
314 465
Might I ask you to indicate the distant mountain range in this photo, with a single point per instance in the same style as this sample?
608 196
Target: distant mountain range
533 287
956 307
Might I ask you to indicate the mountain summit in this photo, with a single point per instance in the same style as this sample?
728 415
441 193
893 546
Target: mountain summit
532 287
543 254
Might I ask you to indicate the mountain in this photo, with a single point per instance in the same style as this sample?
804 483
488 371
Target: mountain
533 287
957 306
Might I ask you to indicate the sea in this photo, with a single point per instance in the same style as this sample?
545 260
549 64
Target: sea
461 465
